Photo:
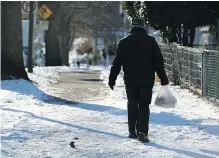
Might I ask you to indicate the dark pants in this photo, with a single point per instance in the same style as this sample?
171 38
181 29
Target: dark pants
139 100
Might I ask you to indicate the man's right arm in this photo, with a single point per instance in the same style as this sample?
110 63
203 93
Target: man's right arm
116 66
159 64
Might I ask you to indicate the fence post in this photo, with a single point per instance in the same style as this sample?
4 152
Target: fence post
189 69
173 64
217 76
202 75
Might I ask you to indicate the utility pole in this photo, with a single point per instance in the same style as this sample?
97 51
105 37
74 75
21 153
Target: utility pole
30 39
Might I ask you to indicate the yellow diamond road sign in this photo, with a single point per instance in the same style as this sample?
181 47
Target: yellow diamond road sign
44 12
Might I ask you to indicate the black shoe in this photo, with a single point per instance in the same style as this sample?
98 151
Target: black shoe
143 137
132 135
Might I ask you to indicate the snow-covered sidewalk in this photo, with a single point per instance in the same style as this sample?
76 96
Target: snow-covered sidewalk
33 127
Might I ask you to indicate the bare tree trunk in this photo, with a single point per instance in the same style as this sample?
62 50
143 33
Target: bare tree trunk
191 36
64 51
57 37
185 35
53 57
179 34
11 48
173 31
60 47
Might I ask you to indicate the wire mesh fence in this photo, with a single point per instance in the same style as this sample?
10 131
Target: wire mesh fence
211 75
192 68
207 47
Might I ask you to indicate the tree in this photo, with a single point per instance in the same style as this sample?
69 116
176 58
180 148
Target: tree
11 48
106 22
176 20
66 20
52 56
85 47
77 19
60 34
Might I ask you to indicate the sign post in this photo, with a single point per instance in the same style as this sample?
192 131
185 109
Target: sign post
29 7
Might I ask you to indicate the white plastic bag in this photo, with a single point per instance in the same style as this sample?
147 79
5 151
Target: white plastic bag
165 98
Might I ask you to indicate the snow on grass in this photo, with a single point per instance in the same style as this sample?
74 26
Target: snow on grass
31 126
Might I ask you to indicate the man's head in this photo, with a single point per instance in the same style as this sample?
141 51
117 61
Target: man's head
137 22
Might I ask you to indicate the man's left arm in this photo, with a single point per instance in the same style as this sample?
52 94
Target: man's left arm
116 67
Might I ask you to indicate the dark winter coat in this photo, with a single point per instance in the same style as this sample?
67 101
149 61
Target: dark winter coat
140 57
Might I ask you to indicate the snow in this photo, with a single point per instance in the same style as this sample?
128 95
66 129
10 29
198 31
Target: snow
33 127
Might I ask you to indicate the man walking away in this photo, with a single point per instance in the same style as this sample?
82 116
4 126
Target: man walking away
139 55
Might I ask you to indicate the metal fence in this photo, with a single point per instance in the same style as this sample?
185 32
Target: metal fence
208 47
195 69
211 75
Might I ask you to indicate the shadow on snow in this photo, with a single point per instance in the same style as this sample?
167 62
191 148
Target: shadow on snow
162 118
63 123
152 144
180 151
